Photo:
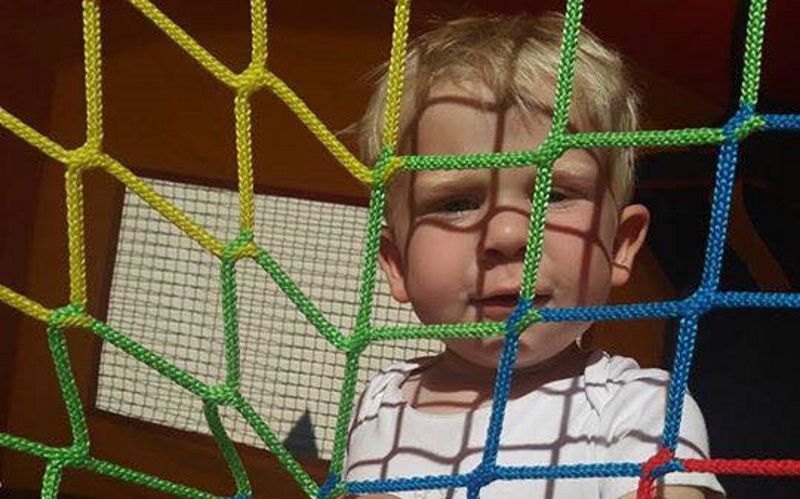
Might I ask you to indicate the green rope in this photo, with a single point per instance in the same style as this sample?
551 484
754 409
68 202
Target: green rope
313 314
268 437
346 399
52 479
756 21
438 331
26 446
73 316
153 360
227 449
119 472
230 319
69 391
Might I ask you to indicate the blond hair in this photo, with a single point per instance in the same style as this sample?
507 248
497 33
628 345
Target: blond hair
514 57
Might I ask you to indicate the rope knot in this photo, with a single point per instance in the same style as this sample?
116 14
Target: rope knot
385 166
221 395
387 170
480 476
357 341
72 315
516 317
75 455
242 246
329 486
84 158
553 148
250 80
742 124
661 463
701 302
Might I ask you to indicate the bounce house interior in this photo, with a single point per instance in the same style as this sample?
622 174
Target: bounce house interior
188 300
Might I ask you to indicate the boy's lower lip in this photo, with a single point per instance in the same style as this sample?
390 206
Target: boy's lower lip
496 308
499 308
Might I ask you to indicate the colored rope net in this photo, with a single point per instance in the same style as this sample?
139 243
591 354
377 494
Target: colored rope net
257 77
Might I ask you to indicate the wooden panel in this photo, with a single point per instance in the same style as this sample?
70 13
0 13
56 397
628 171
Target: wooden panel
28 88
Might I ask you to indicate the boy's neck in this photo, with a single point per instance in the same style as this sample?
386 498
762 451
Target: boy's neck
451 384
568 363
566 360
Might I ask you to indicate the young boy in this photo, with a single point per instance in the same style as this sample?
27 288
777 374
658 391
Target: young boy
454 245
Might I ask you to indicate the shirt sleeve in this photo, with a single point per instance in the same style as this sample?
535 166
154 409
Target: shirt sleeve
364 456
631 430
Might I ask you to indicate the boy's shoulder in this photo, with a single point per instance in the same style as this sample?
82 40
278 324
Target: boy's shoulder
618 388
384 386
395 374
618 372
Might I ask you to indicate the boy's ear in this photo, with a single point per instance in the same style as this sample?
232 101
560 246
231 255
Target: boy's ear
631 231
391 262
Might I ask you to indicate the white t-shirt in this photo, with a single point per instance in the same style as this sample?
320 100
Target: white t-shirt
613 412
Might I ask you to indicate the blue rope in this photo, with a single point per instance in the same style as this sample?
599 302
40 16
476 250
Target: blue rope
707 297
782 121
549 472
671 309
328 486
679 380
720 206
668 467
746 299
712 267
502 387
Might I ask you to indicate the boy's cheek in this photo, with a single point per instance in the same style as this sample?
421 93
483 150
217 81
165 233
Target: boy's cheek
437 288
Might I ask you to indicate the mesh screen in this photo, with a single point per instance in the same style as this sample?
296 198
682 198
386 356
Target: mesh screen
165 294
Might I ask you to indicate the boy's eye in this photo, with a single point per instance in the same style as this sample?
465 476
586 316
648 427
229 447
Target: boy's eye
556 196
457 205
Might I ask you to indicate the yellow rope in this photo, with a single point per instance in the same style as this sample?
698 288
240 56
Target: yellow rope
186 42
32 137
255 77
258 29
320 131
396 75
244 160
75 235
93 65
395 164
24 304
161 205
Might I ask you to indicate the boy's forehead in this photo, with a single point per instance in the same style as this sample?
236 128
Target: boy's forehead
538 102
470 96
565 167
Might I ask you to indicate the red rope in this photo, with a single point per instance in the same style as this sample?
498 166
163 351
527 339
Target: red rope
776 467
773 467
647 481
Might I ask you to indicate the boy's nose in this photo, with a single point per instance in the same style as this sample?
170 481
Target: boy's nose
506 234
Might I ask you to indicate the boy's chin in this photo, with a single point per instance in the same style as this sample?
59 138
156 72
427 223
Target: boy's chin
532 352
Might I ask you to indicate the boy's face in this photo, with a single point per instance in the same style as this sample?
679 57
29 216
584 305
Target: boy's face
456 240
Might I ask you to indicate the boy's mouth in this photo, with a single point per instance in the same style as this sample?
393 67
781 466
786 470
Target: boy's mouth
499 307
